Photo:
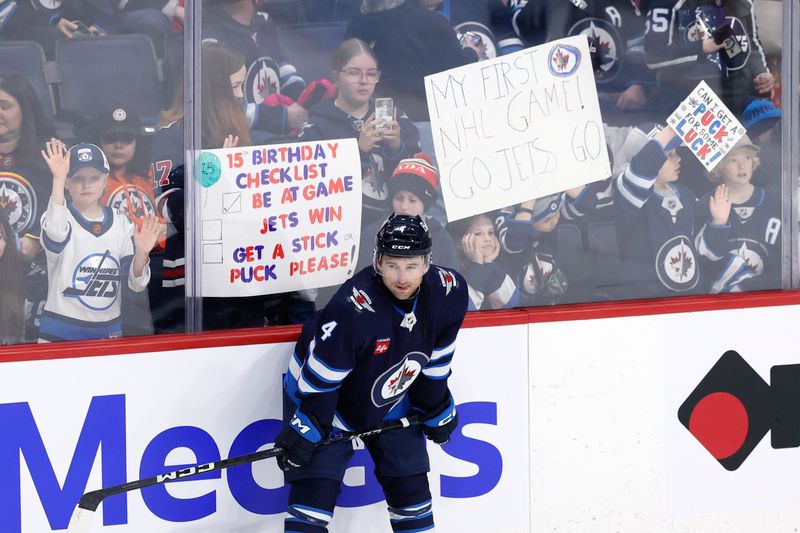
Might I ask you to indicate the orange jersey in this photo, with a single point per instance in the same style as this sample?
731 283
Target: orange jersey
132 196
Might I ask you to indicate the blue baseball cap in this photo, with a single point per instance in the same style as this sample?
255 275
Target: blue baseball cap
84 155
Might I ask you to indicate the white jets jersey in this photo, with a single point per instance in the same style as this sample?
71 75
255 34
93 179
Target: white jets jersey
85 271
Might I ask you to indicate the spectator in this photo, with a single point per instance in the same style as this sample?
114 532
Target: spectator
12 296
90 249
483 25
382 146
149 17
762 120
410 42
23 177
240 27
742 226
680 47
488 277
527 234
413 188
656 222
36 20
130 193
224 125
623 80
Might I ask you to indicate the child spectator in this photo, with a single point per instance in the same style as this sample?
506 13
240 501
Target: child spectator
413 188
350 115
490 285
90 249
130 193
656 223
742 226
410 42
762 120
527 235
12 296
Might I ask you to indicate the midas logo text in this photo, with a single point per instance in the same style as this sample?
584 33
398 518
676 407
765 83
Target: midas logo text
732 409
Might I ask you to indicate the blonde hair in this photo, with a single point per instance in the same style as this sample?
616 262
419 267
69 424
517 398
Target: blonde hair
714 174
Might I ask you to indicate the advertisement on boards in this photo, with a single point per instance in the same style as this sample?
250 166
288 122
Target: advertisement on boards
74 425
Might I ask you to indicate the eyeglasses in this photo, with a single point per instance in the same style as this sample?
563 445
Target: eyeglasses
354 74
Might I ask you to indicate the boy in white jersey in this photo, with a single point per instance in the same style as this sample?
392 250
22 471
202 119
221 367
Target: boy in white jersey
90 248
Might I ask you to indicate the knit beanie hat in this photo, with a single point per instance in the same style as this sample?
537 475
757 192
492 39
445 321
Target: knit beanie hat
416 175
759 116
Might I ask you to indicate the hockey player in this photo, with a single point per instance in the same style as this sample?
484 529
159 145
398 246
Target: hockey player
657 222
90 248
380 350
741 235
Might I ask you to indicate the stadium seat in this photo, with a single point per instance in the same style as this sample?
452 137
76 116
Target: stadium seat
26 58
173 65
309 46
100 72
604 262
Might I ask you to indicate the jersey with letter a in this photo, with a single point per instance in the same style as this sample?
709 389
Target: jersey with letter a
362 359
85 272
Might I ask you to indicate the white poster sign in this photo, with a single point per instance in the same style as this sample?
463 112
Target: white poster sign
706 126
279 218
517 127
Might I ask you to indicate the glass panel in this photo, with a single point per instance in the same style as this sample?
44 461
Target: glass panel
91 79
659 222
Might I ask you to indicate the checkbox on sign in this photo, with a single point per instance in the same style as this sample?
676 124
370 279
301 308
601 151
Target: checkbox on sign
212 253
231 202
212 230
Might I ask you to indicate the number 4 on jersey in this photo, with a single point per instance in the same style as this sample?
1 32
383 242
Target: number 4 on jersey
327 329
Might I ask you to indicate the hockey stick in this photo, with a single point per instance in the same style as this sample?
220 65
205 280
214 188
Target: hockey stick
82 517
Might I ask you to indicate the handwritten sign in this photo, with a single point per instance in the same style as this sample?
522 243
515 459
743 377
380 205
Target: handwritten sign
279 218
706 126
517 127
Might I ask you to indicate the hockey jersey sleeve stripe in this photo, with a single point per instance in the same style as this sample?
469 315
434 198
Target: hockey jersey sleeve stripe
306 387
506 296
440 362
54 246
437 372
625 190
734 273
295 366
322 371
672 62
703 247
442 352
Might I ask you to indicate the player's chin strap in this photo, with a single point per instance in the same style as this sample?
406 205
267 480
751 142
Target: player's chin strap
81 519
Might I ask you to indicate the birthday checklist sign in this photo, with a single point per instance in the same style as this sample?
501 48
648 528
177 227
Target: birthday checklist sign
706 126
517 127
279 218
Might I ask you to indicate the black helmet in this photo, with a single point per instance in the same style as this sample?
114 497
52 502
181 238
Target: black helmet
402 236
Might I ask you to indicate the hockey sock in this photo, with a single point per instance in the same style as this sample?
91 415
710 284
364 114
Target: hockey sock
409 500
311 504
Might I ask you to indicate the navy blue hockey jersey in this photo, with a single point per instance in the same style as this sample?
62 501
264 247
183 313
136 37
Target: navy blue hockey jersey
362 360
745 253
490 19
656 230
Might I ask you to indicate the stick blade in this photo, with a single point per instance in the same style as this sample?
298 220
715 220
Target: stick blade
81 521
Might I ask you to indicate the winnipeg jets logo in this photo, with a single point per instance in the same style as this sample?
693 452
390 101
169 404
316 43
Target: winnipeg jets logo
676 265
17 201
564 60
605 47
95 282
448 280
394 383
131 202
361 300
262 80
751 257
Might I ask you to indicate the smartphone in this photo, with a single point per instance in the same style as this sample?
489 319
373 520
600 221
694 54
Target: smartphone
722 34
384 112
82 29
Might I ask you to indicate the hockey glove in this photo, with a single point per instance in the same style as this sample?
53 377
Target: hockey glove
439 427
298 438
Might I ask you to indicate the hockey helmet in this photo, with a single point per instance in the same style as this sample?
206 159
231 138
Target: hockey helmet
402 236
